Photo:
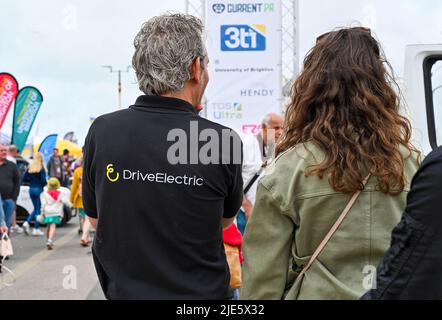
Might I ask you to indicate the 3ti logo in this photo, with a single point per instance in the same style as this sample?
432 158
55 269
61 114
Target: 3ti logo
243 37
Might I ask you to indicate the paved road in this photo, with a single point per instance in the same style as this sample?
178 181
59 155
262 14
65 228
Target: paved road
65 273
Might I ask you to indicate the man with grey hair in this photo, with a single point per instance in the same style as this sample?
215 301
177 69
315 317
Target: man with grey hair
271 130
258 152
159 220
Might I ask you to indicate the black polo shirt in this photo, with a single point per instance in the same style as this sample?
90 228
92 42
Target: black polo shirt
9 181
159 233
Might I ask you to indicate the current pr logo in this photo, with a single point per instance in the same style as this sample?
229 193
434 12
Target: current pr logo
218 8
243 37
241 8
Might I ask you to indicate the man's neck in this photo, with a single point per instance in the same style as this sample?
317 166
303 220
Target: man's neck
2 162
183 95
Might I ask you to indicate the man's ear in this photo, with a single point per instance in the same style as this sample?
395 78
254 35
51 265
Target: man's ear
196 69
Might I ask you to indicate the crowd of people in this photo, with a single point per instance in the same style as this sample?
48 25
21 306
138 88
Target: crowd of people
45 190
317 195
332 187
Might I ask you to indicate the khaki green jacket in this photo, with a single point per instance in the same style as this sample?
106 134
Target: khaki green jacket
292 215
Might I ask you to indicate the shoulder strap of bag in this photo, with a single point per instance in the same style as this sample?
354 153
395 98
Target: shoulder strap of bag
254 178
334 228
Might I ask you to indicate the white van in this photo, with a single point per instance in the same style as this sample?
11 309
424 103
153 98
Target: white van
423 93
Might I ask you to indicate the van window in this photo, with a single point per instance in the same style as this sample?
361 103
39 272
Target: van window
433 98
436 82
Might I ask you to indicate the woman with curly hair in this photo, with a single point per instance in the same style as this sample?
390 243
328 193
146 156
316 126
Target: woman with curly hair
344 145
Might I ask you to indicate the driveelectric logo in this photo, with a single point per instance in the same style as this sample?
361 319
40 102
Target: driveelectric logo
110 173
152 177
243 37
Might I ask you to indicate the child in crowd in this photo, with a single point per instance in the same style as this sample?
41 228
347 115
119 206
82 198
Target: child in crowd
52 202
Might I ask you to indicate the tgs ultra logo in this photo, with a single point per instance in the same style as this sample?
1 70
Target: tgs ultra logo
243 37
218 8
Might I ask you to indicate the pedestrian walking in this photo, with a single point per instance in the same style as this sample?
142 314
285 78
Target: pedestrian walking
9 185
56 167
36 177
52 202
77 202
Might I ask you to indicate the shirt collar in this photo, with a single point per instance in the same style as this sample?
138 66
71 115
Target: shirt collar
146 101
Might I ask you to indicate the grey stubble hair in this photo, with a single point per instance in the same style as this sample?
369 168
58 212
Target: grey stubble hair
165 49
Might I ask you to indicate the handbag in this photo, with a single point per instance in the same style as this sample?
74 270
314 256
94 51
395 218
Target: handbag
232 255
332 231
6 246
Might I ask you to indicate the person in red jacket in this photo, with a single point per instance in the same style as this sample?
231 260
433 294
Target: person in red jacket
232 238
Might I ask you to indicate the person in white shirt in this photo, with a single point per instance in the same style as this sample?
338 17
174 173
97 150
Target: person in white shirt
258 153
252 163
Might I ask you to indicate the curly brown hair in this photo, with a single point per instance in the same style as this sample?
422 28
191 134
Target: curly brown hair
347 102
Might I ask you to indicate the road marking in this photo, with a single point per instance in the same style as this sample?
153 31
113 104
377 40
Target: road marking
34 260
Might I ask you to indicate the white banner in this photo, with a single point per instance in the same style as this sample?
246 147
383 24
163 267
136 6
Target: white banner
244 46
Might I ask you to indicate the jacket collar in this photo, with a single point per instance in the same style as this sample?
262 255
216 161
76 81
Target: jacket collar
146 101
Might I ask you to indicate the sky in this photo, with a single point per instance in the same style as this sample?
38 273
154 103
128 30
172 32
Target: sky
60 46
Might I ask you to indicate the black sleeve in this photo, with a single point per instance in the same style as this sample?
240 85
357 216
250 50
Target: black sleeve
425 198
233 201
16 180
410 241
88 179
400 269
43 180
